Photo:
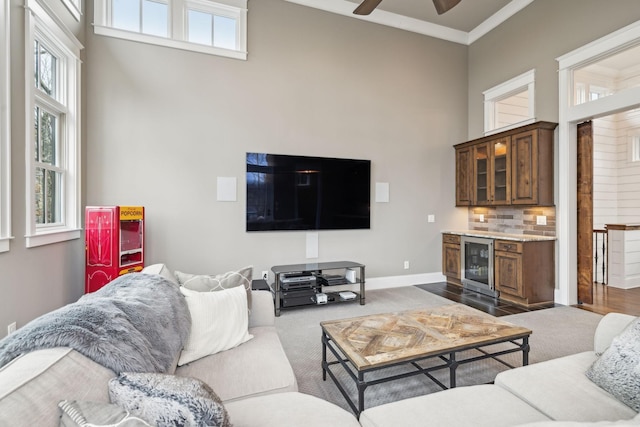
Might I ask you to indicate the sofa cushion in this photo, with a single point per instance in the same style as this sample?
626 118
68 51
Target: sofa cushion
32 385
635 421
472 406
288 409
168 400
618 369
218 282
96 414
257 367
560 389
219 321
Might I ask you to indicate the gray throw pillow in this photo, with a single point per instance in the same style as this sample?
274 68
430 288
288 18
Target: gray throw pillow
618 369
168 400
95 414
217 282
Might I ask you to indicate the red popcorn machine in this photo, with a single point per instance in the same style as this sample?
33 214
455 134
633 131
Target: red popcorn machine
114 243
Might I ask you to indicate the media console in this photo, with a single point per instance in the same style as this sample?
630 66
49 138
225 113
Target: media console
309 284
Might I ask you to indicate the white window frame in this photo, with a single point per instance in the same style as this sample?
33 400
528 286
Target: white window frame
236 9
518 84
74 8
42 24
5 129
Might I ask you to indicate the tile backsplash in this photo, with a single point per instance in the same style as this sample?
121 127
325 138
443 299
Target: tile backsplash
514 220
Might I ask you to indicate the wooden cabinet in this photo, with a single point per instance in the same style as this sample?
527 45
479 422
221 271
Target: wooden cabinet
464 177
514 167
451 258
524 272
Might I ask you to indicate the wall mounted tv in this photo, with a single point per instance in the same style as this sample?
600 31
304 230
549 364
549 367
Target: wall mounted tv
307 193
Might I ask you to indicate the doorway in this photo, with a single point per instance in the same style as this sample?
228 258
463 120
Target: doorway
583 99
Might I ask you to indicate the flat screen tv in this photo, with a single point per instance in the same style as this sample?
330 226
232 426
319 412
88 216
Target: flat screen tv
307 193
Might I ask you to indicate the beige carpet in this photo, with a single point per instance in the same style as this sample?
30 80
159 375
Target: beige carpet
557 332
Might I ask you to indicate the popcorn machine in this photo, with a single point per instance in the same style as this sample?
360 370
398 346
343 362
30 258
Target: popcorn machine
114 243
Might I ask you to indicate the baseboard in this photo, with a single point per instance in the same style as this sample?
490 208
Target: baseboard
406 280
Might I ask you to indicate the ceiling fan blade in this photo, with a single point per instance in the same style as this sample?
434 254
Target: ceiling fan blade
367 6
444 5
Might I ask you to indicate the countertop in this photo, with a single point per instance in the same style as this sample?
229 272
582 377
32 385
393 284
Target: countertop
501 236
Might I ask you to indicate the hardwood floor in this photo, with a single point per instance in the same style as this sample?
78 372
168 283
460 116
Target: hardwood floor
608 299
478 301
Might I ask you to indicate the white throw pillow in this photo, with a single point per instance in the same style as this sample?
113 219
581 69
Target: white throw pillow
219 321
218 282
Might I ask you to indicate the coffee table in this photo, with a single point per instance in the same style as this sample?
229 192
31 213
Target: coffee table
367 344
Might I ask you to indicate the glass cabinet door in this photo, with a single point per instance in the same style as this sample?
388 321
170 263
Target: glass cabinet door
501 173
481 174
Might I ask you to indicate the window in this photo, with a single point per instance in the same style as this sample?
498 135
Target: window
74 8
634 148
606 76
5 133
510 104
213 27
53 128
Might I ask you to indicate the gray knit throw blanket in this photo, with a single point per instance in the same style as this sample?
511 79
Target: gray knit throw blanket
136 323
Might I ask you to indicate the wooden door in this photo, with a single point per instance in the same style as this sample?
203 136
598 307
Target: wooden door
508 273
481 175
500 171
451 258
585 213
524 168
464 176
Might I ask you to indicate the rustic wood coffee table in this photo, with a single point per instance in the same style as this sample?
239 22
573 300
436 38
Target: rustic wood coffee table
362 345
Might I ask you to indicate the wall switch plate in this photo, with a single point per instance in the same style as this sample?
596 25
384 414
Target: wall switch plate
541 220
481 217
11 328
265 275
406 265
431 218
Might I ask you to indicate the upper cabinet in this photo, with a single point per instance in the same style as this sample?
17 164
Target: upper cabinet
514 167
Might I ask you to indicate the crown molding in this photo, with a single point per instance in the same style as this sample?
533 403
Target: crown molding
342 7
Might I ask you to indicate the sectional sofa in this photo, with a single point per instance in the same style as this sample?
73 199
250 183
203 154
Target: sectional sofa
256 385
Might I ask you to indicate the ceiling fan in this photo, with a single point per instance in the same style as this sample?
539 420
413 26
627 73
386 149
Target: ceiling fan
367 6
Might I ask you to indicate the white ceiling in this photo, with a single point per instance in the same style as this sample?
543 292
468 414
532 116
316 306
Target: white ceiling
465 23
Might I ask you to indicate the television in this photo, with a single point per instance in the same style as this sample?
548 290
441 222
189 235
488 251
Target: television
287 192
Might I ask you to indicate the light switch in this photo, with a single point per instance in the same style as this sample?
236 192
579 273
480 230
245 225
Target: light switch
541 220
431 218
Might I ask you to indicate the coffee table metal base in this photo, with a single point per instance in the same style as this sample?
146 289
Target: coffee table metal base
448 358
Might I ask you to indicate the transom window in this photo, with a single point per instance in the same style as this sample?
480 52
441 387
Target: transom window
53 128
510 104
213 27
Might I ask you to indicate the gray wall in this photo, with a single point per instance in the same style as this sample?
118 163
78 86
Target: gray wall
162 124
33 281
533 39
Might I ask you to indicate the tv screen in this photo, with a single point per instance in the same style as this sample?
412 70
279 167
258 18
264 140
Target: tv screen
307 193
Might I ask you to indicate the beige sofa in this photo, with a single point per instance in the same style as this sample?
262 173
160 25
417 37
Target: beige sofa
551 393
254 380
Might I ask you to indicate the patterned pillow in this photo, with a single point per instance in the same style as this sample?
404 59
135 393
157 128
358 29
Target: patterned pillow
618 369
168 400
218 282
96 414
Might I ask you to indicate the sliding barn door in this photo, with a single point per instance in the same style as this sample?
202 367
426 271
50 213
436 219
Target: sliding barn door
585 213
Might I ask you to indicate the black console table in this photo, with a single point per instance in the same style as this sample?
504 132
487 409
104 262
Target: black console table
301 284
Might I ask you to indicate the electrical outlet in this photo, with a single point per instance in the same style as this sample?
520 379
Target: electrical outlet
541 220
406 265
265 275
430 218
11 328
481 217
